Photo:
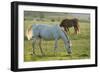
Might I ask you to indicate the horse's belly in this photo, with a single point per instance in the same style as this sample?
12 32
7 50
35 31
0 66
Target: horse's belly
47 36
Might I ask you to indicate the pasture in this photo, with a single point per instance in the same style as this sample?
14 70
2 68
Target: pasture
80 44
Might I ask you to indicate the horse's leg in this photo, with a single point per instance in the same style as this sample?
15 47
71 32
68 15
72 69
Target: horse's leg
33 45
40 47
65 29
75 30
78 28
55 47
68 30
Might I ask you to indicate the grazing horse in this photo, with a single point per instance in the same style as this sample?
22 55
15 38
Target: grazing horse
67 23
48 32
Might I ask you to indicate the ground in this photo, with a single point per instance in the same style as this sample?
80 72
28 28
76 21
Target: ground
80 45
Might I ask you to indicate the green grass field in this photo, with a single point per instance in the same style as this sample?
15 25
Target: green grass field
80 45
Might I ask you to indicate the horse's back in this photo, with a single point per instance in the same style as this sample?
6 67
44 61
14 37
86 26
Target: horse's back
46 31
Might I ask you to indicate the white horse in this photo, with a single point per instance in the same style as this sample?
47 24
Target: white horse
48 32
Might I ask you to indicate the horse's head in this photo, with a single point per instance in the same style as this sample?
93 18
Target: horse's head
29 33
68 43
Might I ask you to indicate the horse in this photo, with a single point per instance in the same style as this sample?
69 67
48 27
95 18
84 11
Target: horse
48 32
67 23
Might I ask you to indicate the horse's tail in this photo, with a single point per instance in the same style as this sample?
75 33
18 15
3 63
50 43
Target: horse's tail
28 32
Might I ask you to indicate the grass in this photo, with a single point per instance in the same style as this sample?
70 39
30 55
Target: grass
80 45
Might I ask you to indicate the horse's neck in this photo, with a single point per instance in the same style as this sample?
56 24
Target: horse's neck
64 37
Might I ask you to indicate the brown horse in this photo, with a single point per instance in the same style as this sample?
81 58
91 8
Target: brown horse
67 23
